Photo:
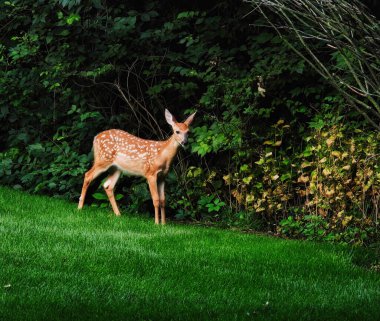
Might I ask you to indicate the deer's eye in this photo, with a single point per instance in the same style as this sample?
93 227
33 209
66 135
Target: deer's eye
177 131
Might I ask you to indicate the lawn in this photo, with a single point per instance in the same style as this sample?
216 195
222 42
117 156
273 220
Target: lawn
57 263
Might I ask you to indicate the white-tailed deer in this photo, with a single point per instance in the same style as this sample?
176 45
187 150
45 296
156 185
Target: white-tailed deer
136 156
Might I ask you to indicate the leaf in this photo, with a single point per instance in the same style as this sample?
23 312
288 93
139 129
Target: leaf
336 154
97 4
263 37
318 124
326 172
186 14
306 164
88 115
145 17
119 196
346 220
73 17
99 196
285 177
124 23
330 141
244 168
64 33
49 39
250 198
303 179
227 179
329 192
248 179
260 161
168 25
300 67
261 90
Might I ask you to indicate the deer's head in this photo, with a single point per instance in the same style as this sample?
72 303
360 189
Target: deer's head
180 130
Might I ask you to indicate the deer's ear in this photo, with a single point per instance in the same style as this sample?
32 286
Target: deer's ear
169 117
189 119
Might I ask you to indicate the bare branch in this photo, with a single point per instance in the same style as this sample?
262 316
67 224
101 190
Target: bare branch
350 34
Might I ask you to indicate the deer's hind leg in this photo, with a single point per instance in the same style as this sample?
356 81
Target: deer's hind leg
95 171
109 185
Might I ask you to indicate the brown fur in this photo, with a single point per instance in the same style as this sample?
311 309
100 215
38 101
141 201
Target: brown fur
136 156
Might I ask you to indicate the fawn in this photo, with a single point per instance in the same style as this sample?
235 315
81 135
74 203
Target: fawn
136 156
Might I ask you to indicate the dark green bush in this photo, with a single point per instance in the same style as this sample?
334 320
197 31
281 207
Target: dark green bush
71 69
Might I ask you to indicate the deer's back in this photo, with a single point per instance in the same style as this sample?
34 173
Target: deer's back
114 144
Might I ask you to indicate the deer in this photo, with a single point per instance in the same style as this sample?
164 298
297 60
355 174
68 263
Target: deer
136 156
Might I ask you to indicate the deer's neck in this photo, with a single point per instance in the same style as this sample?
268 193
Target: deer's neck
165 157
171 148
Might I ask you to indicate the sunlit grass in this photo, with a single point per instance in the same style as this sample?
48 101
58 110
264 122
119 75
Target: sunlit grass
57 263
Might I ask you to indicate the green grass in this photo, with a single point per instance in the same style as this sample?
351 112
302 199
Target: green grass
57 263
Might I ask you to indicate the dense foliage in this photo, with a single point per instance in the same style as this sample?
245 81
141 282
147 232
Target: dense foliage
274 146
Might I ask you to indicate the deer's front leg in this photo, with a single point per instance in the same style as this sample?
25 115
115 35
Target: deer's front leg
161 192
152 181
